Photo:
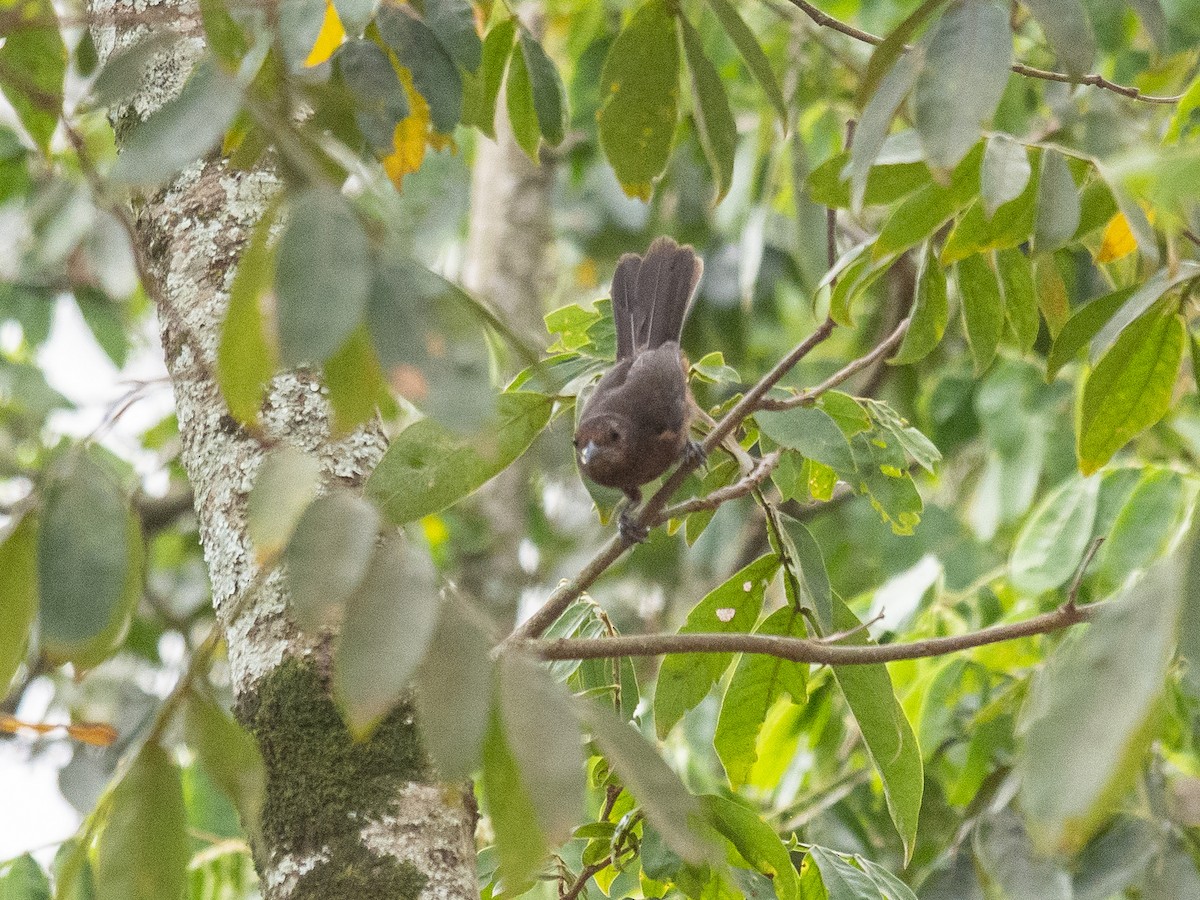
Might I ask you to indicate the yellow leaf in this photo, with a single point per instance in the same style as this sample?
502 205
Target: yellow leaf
1118 240
329 39
412 134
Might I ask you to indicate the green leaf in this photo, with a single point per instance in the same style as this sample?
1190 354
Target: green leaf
479 106
885 55
710 107
668 806
1051 292
1020 297
379 97
453 21
1069 30
1144 297
914 443
522 116
983 308
389 624
434 73
756 842
804 553
639 90
886 731
1058 207
1154 20
929 208
887 182
183 129
686 678
758 682
890 887
89 563
286 484
33 67
812 432
122 72
453 692
930 314
549 95
1005 172
1131 387
1007 856
1147 526
520 843
877 120
322 277
841 879
356 14
18 596
1185 120
229 756
1092 711
221 32
1050 544
247 356
356 385
542 730
142 853
427 468
23 879
967 55
756 61
328 555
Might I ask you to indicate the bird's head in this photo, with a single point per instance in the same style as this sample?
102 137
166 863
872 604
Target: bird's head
602 445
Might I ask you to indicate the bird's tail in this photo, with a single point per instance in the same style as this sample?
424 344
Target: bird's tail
652 294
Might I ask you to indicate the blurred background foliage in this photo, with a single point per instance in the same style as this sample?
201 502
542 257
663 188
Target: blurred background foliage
1086 234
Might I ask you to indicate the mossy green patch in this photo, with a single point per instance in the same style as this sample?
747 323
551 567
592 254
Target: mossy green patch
322 785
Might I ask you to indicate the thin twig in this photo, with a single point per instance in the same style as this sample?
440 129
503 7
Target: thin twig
805 398
850 632
1073 591
804 649
756 476
827 21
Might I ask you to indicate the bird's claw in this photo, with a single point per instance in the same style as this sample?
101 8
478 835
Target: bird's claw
630 530
694 454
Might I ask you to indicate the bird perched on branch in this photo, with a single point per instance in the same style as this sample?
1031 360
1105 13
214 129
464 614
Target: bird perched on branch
634 426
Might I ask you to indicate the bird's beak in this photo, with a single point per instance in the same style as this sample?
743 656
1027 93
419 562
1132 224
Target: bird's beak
588 452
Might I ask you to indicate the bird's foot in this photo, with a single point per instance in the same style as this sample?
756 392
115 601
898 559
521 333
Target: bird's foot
694 455
630 530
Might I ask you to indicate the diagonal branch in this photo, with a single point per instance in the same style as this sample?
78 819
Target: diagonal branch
803 649
754 478
825 20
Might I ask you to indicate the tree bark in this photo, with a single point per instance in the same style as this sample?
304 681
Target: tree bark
342 819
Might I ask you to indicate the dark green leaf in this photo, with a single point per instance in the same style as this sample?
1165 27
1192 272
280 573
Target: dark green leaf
1058 207
355 14
522 116
814 579
389 624
1051 542
33 66
18 596
89 563
1020 297
328 555
812 432
427 468
710 107
142 853
967 55
686 678
434 74
639 90
549 95
983 308
884 56
889 737
453 692
221 32
1091 713
927 209
322 277
453 21
930 314
182 130
877 120
1069 30
758 682
1005 853
756 61
1005 172
1131 387
379 98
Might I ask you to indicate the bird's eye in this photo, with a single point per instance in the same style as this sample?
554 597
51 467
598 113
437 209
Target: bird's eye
612 434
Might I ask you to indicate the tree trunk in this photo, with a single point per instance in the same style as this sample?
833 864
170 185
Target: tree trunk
342 819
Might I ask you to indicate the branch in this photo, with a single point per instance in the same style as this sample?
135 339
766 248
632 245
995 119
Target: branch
803 649
761 472
827 21
805 398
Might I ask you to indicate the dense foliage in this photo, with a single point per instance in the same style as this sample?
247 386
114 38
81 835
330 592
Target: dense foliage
984 221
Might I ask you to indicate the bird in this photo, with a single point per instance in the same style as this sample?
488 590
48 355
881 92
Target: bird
634 425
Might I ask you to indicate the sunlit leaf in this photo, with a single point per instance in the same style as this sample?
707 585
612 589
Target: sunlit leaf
1058 209
1051 542
519 841
756 842
1005 172
18 596
877 120
33 65
812 432
1020 296
329 38
23 879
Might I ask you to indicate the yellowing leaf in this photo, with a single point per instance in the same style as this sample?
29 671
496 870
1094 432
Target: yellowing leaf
328 39
1118 240
412 134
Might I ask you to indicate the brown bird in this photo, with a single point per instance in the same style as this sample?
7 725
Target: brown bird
634 426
